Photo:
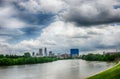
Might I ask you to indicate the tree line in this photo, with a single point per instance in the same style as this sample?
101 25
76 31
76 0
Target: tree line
25 59
101 57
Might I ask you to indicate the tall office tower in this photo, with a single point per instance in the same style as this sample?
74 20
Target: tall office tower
33 54
40 52
74 53
50 53
45 51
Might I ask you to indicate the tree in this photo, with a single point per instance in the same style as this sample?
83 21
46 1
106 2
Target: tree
27 54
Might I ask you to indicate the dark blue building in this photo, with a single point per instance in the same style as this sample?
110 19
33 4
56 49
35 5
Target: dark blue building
74 53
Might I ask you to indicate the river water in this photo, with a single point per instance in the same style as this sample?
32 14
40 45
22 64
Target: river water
62 69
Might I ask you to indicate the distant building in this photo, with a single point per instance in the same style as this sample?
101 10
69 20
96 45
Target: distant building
40 52
74 53
111 53
58 55
50 53
33 54
37 54
103 52
65 56
45 51
53 55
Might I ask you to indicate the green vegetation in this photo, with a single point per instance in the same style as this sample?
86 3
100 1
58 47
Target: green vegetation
100 57
25 59
112 73
27 54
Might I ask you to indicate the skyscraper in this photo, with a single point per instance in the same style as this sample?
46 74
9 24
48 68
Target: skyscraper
33 54
45 51
40 52
50 53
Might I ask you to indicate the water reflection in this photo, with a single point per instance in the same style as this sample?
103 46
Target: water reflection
62 69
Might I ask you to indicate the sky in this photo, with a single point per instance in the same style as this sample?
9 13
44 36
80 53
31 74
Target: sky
59 25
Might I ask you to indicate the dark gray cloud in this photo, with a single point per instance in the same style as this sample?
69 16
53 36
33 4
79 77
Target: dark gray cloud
92 12
1 2
16 19
116 6
81 12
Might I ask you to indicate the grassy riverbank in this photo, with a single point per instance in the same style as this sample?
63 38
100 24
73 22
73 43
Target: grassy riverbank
25 60
112 73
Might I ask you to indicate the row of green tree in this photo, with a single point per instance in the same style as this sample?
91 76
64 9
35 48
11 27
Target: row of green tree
25 59
101 57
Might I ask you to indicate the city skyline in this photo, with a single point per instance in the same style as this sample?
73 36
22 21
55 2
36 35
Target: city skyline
59 25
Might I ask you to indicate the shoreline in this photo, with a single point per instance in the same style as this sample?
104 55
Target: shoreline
26 60
104 70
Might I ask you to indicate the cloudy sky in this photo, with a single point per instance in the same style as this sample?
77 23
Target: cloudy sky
90 25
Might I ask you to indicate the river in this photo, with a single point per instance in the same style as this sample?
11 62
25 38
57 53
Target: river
61 69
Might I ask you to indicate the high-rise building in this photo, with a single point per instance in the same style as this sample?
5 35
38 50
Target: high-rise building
40 52
45 51
50 53
33 54
74 53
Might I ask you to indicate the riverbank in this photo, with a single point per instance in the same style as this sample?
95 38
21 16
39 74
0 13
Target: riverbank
25 60
101 57
111 73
